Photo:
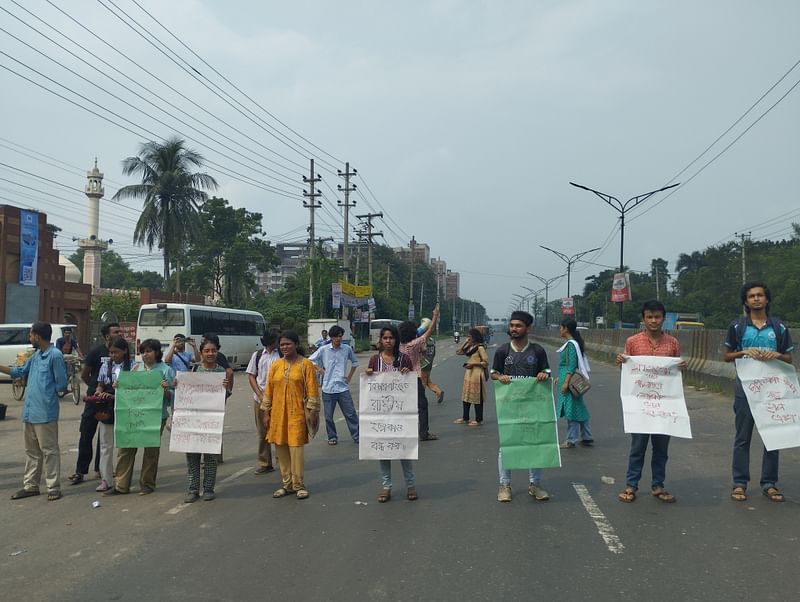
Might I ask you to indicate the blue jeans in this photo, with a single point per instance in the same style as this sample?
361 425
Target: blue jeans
534 474
345 401
386 473
574 428
741 448
658 462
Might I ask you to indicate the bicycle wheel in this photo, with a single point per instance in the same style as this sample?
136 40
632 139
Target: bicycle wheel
75 388
18 389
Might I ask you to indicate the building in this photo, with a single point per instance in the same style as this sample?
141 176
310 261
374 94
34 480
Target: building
33 282
422 253
453 282
292 256
439 267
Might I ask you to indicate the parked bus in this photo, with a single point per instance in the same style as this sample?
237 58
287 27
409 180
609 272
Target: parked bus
375 329
239 330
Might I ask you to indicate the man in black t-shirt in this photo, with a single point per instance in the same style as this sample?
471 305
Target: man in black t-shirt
520 358
88 427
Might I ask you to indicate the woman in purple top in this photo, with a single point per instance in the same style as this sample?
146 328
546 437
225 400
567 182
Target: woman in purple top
390 359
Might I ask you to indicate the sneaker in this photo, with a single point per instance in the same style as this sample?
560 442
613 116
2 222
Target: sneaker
103 486
504 493
191 497
208 495
537 493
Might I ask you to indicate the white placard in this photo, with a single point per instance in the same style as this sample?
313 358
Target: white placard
773 393
198 413
651 389
388 417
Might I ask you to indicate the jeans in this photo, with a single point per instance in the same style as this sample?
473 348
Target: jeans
658 462
741 448
534 474
345 401
88 428
575 427
422 409
408 473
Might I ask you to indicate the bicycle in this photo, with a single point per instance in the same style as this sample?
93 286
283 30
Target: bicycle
18 388
73 378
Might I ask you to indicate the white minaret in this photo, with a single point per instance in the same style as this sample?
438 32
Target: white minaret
92 246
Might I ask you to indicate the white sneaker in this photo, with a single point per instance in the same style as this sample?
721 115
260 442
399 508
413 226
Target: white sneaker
537 493
504 493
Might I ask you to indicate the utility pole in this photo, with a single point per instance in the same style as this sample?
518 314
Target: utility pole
312 204
346 174
319 274
658 292
743 238
623 208
369 236
412 245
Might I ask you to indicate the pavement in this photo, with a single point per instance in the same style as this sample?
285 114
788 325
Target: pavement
455 543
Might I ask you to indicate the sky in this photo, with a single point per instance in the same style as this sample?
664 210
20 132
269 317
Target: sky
466 121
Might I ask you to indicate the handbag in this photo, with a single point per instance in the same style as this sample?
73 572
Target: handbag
579 383
103 408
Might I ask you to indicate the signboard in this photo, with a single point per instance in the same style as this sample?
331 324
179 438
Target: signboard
411 311
621 288
567 306
526 420
336 295
28 247
137 409
651 389
388 416
128 331
199 413
773 393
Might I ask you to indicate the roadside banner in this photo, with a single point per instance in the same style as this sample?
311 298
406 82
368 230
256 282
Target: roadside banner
336 295
773 393
137 409
388 417
28 247
567 306
526 419
621 288
199 413
651 389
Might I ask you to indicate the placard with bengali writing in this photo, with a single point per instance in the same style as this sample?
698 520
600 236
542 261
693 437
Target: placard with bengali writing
388 418
773 393
138 405
199 413
651 389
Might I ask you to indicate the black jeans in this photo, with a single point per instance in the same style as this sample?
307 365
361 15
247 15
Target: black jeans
422 408
88 428
478 411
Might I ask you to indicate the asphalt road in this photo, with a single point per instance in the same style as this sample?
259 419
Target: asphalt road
455 543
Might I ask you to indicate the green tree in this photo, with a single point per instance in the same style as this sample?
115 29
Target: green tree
116 273
125 306
171 193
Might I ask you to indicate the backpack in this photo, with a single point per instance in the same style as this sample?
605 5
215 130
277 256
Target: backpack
778 328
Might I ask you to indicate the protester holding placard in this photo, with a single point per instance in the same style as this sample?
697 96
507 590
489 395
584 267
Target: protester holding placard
390 359
473 391
651 341
414 347
150 350
208 363
291 412
757 336
520 358
570 405
119 361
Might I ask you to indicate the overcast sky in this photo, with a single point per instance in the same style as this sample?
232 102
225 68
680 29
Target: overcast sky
466 121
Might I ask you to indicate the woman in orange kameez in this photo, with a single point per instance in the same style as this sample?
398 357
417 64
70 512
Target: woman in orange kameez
291 411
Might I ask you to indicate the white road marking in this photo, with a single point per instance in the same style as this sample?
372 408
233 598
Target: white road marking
602 523
234 476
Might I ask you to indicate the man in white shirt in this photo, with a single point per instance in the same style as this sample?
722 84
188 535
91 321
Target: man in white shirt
257 374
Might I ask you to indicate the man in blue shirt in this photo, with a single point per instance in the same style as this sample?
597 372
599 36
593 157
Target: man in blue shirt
47 375
331 361
760 337
177 357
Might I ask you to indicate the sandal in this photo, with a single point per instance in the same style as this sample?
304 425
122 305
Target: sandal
474 423
282 492
302 494
663 495
332 442
384 496
567 445
411 494
76 479
627 495
738 494
23 493
54 495
459 421
773 495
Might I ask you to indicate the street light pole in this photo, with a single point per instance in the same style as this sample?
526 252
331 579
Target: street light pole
569 260
535 301
623 208
547 282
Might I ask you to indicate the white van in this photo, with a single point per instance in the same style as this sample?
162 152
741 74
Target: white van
14 338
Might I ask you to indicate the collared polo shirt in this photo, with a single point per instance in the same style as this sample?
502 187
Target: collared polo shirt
47 374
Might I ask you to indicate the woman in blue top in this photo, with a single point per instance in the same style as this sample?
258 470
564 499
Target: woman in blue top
150 350
571 406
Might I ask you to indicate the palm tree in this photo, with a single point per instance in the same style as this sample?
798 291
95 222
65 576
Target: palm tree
171 194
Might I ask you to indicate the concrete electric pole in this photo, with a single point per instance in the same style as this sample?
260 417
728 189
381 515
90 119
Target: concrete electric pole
312 204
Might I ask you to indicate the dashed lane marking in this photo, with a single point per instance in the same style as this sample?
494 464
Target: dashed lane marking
602 523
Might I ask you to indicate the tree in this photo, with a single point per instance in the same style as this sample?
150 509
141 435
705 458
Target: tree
171 194
116 273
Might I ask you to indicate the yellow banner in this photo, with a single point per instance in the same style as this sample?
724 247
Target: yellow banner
355 291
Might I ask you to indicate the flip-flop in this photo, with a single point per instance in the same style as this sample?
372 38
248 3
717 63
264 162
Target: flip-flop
302 494
773 495
332 442
738 494
282 492
627 495
663 495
